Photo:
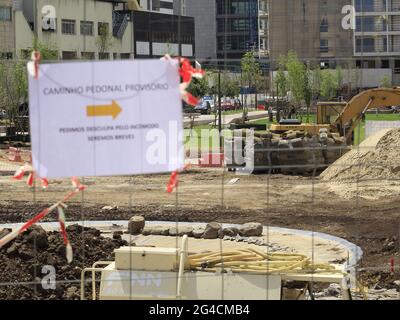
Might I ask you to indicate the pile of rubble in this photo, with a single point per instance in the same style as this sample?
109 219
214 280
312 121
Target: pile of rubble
30 259
293 152
372 160
213 230
250 233
333 292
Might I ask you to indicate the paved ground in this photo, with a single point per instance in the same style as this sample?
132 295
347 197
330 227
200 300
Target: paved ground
227 119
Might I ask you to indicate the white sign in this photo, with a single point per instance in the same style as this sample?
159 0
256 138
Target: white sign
106 118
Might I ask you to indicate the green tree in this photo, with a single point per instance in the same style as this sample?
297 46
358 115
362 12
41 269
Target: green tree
231 87
329 85
308 89
316 81
199 87
48 51
14 81
281 81
296 76
13 88
339 77
356 77
385 82
104 40
251 72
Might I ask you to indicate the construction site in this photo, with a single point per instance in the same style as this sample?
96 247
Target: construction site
328 232
155 175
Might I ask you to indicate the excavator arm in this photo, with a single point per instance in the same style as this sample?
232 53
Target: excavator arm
358 105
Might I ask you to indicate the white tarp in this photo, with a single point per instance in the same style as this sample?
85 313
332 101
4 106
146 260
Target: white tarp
106 118
372 127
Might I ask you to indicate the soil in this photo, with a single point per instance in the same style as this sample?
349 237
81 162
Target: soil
23 260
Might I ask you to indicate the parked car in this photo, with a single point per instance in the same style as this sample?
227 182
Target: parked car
227 104
204 107
396 109
238 104
186 108
211 101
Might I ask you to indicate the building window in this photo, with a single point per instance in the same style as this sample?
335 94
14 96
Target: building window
236 25
125 56
26 54
371 24
323 45
104 56
234 42
370 64
385 64
102 28
69 55
324 64
238 7
366 44
397 66
187 38
5 14
68 26
365 64
370 6
164 37
88 55
324 7
6 55
324 27
86 28
166 5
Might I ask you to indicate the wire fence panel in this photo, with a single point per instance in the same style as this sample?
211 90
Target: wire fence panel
280 198
372 127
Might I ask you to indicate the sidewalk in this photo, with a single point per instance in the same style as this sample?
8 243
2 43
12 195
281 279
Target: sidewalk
226 119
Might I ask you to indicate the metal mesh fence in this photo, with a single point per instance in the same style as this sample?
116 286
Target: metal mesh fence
342 213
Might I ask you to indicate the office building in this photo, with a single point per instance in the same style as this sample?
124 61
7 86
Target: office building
377 35
7 40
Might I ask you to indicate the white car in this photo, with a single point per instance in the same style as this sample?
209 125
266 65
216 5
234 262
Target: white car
211 101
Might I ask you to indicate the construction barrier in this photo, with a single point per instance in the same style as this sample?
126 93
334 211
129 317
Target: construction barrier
212 160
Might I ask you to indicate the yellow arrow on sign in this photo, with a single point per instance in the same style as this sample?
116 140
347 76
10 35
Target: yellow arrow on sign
104 110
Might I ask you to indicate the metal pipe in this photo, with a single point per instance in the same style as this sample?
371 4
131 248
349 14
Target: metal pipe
219 108
94 275
183 254
83 280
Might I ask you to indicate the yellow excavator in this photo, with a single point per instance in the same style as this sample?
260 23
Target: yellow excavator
292 147
348 115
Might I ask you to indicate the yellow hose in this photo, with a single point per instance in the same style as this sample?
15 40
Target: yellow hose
253 261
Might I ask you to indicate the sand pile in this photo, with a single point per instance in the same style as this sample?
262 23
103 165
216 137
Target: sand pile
370 171
378 157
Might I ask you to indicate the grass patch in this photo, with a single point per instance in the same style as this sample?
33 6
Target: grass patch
209 140
204 137
359 132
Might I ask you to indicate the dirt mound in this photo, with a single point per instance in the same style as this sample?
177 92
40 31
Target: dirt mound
368 161
22 262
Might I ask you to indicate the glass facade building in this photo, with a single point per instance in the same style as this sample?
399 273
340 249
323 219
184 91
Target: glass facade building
237 28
